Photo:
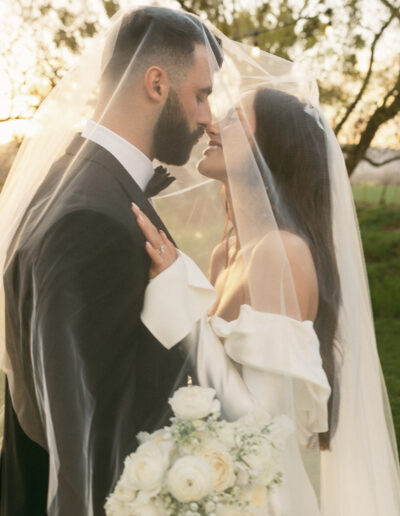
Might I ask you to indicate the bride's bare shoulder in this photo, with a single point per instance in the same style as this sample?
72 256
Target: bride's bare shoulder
279 242
267 264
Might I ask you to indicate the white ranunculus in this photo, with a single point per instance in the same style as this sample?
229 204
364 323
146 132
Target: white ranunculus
145 469
221 465
189 479
194 402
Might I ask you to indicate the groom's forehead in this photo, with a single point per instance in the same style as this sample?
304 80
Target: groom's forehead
201 71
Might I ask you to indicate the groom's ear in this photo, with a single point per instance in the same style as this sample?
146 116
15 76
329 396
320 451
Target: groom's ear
156 84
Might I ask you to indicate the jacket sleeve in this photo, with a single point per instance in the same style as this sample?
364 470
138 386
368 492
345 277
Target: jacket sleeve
88 284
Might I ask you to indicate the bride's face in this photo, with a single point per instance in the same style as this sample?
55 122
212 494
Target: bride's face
229 133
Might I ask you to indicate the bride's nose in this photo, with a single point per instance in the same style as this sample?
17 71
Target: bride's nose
212 129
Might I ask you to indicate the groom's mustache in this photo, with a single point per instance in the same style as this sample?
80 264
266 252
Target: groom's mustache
197 134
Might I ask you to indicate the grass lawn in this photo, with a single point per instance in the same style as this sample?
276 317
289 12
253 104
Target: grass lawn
380 233
375 194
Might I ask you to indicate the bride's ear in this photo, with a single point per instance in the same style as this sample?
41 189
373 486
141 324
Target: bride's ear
156 84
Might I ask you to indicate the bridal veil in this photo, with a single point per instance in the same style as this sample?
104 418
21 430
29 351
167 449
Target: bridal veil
286 178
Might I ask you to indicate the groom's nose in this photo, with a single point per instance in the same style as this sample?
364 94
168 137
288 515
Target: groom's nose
204 115
212 129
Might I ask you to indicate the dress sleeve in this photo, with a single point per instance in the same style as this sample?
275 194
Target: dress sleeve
176 300
272 346
245 360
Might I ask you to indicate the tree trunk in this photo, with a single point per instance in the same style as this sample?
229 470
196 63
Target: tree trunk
381 115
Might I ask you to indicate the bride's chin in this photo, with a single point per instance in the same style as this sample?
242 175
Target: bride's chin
206 169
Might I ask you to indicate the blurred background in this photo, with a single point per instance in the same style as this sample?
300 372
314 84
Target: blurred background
352 47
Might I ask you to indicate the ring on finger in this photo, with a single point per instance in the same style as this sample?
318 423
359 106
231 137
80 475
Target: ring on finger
161 249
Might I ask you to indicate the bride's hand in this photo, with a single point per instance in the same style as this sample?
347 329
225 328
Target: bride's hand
161 251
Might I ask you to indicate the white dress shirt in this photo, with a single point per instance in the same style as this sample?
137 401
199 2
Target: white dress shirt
137 164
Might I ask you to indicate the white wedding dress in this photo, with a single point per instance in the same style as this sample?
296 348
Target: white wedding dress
249 362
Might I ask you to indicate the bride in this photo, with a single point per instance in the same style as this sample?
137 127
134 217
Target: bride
270 330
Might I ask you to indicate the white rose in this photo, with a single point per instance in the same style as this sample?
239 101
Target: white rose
115 507
254 421
145 469
242 476
124 494
262 464
233 511
259 456
149 509
226 510
221 465
194 402
189 479
226 434
256 495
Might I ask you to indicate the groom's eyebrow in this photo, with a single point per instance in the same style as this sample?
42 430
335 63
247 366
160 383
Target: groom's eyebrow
206 91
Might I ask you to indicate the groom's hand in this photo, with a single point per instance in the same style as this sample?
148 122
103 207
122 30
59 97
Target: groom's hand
161 250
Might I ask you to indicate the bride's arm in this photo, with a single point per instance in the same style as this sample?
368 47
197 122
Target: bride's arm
274 352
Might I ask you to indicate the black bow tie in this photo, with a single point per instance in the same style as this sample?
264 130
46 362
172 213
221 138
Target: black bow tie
160 180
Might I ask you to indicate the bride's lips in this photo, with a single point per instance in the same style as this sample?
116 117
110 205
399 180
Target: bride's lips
213 145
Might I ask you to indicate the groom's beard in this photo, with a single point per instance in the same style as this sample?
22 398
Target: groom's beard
173 140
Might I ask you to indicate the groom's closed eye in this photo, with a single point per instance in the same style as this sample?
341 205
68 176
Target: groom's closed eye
203 93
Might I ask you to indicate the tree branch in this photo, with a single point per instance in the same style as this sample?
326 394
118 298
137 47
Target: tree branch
394 10
350 108
18 117
381 115
376 164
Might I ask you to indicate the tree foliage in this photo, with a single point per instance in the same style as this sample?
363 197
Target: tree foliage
297 30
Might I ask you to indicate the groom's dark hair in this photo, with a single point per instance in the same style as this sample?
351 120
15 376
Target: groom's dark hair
158 36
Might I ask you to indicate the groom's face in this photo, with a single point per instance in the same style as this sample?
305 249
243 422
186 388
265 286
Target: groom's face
186 113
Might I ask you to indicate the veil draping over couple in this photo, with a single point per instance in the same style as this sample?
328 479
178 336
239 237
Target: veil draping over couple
246 274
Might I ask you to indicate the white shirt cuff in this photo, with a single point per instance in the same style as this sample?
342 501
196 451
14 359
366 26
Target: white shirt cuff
175 300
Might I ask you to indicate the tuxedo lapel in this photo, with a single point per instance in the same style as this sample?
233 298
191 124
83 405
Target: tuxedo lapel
90 151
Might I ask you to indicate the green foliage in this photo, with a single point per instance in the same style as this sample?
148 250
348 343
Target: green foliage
111 7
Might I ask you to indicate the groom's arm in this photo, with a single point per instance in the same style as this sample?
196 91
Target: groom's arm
89 281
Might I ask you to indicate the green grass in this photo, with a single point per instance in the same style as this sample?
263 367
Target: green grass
388 337
380 233
376 194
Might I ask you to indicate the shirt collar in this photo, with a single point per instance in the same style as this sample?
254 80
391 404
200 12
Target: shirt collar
137 164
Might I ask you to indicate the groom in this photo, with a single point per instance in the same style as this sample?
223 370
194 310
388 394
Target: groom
88 376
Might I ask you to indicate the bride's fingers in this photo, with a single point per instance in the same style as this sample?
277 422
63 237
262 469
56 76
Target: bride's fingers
149 230
168 244
154 254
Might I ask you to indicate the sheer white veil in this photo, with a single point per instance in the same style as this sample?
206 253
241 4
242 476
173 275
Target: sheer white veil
359 468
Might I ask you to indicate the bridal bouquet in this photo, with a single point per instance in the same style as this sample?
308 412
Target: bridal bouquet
202 465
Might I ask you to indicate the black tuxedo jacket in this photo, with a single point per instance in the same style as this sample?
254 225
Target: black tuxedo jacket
74 293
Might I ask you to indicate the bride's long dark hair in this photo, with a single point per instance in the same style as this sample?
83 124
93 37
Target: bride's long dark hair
291 142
